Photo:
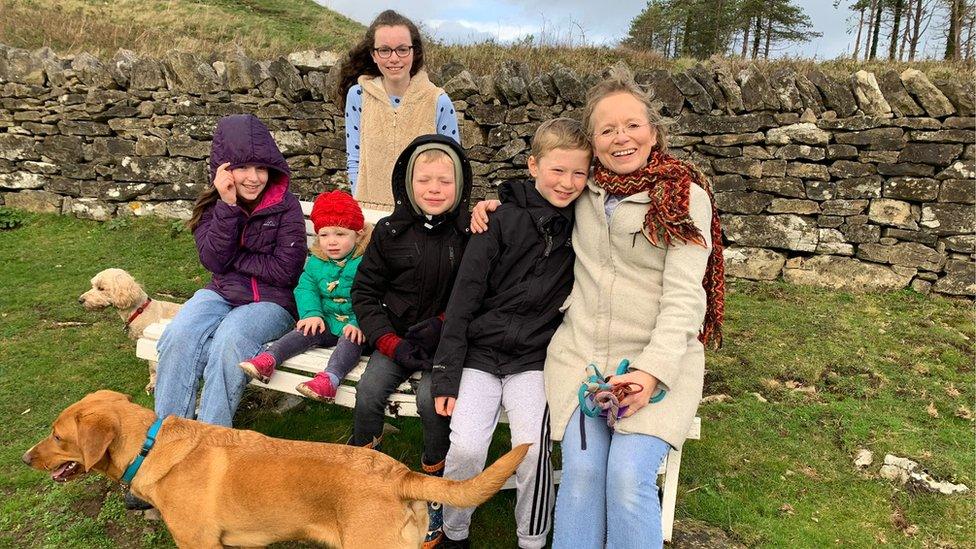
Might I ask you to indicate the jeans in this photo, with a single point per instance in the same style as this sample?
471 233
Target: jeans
379 381
207 339
343 359
608 492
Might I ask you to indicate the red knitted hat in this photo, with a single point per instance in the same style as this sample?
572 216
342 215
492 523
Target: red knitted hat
336 209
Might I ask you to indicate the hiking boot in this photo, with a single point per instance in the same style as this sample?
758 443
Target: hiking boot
435 511
448 543
134 503
261 367
435 527
319 388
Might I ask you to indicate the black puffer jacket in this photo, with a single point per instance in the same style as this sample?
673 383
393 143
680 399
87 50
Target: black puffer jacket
409 266
505 304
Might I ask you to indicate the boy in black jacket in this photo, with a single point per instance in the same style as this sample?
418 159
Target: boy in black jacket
503 311
401 289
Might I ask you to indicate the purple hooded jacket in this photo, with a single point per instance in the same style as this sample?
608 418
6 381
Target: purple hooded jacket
257 256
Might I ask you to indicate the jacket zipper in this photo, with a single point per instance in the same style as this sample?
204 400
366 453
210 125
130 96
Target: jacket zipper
254 281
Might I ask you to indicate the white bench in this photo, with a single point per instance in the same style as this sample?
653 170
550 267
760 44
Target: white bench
403 403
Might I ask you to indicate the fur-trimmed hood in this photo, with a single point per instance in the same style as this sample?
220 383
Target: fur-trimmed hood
357 251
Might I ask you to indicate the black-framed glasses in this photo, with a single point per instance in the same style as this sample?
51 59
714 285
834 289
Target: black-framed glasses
401 51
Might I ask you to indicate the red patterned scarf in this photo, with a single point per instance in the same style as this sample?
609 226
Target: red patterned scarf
667 181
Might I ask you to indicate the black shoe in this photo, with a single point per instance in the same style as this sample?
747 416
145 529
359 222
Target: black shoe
448 543
133 503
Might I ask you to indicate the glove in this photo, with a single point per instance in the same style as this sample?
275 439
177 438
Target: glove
426 334
411 356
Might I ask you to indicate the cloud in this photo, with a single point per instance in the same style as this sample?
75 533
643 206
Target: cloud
478 30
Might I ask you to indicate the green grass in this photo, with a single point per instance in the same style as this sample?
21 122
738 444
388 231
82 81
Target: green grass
772 474
261 28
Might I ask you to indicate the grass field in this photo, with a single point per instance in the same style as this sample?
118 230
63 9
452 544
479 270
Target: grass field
836 372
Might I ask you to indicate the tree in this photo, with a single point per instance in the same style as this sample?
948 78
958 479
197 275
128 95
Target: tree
861 7
909 10
897 7
701 28
877 30
952 37
971 22
870 34
922 10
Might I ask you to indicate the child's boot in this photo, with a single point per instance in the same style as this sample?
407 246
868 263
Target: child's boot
435 511
261 367
318 388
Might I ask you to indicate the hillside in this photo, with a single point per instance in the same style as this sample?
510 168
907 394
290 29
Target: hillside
263 28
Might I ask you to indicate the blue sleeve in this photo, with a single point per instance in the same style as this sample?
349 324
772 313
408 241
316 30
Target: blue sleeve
447 123
354 113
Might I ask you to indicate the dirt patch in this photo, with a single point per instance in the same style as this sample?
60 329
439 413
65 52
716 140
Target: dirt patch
693 534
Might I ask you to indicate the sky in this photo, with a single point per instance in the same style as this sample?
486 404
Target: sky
577 22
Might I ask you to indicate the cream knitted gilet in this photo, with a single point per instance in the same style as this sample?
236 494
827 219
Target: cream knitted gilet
386 131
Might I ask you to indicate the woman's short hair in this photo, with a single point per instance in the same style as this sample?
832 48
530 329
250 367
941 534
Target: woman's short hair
620 80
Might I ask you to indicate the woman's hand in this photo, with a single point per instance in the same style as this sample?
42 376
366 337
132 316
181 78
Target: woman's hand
479 215
224 181
444 405
354 334
636 401
311 325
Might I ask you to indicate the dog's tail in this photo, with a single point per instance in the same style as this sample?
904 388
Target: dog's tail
463 493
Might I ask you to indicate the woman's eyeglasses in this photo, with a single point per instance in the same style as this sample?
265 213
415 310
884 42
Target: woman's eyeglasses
385 53
630 130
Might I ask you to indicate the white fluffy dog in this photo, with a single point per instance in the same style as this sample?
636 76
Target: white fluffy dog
116 288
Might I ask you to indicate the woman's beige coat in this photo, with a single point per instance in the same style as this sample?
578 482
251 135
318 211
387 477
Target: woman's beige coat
636 301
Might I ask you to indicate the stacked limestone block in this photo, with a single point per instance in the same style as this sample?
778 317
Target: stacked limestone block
865 183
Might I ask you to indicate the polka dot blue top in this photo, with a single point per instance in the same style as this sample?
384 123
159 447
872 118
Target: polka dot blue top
446 125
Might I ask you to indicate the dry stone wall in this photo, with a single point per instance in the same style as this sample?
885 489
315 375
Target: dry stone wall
860 183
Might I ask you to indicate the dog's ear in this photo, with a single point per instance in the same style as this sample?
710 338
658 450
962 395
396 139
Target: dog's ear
124 292
96 431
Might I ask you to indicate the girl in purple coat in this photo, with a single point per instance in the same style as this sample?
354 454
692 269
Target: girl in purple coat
250 235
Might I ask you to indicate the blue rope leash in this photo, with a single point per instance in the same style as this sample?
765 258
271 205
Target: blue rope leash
596 397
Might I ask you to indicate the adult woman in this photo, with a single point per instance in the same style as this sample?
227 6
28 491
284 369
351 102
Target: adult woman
250 235
388 101
648 288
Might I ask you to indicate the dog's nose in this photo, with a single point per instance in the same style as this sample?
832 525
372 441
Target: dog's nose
27 457
81 299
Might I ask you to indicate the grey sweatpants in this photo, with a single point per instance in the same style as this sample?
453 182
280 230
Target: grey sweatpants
481 398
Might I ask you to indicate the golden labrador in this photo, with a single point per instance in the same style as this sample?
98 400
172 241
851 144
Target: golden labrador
216 486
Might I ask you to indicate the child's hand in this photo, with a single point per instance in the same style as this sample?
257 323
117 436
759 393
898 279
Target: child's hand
311 325
353 334
479 215
444 405
636 401
224 181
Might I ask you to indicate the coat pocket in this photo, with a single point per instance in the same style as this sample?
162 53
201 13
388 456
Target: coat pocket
403 257
397 306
